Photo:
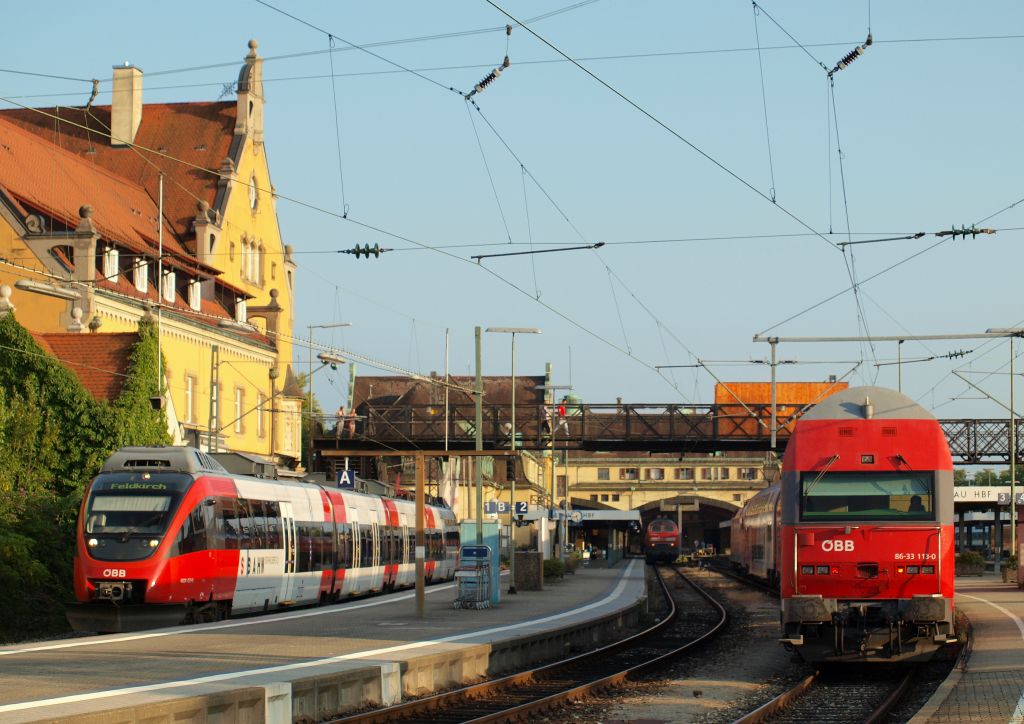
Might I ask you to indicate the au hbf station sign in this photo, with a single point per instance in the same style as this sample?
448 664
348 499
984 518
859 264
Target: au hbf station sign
993 494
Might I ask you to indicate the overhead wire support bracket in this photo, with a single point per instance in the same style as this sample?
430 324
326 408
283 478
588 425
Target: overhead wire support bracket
478 257
918 235
964 231
365 250
493 75
852 55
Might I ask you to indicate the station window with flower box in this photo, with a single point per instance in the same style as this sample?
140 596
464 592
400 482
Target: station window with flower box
654 473
629 473
684 474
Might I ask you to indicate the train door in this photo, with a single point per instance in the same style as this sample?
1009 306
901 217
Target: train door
287 594
375 561
356 572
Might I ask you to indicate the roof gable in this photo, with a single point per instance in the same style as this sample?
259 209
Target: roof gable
199 134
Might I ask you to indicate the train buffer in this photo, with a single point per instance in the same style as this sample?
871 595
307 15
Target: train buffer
473 577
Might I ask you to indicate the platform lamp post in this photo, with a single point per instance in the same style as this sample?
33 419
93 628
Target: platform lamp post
512 445
551 446
1011 333
309 385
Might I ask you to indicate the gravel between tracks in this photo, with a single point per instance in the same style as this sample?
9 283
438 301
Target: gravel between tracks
741 669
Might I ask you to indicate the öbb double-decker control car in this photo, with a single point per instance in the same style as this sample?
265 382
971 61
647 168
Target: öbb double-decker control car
859 535
166 535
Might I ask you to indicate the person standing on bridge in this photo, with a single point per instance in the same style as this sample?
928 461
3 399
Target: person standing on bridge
563 424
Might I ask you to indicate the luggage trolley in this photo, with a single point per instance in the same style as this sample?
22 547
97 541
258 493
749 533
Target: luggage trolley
474 577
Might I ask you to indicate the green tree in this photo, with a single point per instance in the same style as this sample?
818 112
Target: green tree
53 439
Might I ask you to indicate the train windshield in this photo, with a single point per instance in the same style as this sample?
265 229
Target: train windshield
128 514
867 496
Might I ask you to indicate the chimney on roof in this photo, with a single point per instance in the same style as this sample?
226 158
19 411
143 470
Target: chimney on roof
126 106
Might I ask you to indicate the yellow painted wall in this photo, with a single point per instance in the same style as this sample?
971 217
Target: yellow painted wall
33 311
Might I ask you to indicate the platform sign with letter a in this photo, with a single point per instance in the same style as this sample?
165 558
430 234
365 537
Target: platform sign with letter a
347 479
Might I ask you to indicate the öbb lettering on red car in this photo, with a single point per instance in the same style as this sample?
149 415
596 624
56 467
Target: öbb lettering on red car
837 545
866 485
166 535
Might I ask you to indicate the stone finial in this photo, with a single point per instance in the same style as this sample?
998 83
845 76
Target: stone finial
5 300
85 225
95 323
76 320
253 44
202 211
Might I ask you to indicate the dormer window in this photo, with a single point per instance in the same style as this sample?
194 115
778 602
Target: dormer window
141 275
195 294
169 286
110 264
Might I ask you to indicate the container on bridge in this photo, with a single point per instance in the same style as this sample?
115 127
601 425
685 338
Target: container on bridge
732 400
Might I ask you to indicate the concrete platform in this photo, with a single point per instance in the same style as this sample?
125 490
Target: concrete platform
312 663
989 687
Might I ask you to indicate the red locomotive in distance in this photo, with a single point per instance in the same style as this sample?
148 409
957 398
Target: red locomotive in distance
858 534
166 535
661 541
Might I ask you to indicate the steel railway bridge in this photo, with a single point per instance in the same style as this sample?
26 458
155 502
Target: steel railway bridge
617 427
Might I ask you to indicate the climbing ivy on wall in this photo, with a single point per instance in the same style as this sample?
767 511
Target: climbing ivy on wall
53 438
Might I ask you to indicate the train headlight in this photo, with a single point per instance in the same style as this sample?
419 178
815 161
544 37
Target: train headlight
154 542
92 543
807 570
913 569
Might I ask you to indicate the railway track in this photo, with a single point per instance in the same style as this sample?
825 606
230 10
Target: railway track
692 617
850 695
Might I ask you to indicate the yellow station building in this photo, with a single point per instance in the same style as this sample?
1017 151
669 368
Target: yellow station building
109 214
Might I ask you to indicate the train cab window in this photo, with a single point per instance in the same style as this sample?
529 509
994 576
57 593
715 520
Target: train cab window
868 496
198 530
145 515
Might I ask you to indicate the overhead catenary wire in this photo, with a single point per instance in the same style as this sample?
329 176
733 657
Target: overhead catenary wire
337 128
764 105
379 230
490 177
546 61
650 116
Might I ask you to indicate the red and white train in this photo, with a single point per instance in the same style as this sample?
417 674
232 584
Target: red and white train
166 535
858 533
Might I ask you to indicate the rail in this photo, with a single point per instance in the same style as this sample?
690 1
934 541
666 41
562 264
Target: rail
515 697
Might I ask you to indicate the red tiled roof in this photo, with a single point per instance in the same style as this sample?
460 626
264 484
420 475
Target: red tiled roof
100 361
199 133
44 176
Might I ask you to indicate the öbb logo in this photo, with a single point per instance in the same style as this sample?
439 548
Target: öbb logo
114 573
836 545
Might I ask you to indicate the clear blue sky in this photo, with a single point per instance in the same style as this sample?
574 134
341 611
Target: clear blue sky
930 133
